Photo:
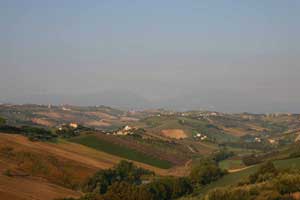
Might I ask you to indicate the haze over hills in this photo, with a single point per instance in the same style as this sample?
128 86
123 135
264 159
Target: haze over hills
218 100
149 100
68 151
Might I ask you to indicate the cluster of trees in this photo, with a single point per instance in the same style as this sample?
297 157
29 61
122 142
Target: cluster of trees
123 172
223 154
41 134
68 131
164 189
38 134
2 121
253 159
205 172
267 183
32 133
125 182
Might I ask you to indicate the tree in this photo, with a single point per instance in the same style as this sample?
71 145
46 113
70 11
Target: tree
205 172
2 121
265 172
181 187
123 172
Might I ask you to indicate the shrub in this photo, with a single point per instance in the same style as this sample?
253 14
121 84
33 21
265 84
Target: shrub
2 121
205 172
266 171
288 183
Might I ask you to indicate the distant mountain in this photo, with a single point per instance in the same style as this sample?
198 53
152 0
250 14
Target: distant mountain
221 100
115 98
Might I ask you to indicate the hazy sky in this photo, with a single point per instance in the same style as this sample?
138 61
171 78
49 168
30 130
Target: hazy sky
222 55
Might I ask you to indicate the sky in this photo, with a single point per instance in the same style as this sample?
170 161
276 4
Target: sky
223 55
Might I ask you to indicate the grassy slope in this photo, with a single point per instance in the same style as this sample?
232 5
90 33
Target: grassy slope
231 164
236 177
122 151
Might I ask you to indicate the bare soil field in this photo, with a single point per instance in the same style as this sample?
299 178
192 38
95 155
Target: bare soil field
101 115
234 131
174 133
42 122
97 123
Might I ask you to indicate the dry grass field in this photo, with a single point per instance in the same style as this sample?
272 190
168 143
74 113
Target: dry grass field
174 133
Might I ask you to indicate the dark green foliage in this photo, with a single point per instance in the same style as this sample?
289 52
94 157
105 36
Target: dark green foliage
10 129
288 183
161 189
223 154
226 194
258 158
138 133
2 121
121 191
33 133
124 183
251 160
124 171
67 132
38 134
206 172
265 172
181 187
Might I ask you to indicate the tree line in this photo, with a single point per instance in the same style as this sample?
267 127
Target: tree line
127 182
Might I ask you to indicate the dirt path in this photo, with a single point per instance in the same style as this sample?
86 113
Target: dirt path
191 149
239 169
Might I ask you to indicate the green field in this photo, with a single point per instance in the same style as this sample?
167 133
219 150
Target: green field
231 164
121 151
236 177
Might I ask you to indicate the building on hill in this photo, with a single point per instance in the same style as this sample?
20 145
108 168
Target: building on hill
73 125
126 130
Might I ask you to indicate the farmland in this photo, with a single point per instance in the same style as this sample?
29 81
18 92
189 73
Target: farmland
121 151
171 144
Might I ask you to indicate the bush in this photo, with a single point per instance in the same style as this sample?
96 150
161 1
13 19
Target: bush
288 183
222 155
229 194
2 121
205 172
266 171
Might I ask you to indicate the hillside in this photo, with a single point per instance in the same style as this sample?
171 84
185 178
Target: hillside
61 147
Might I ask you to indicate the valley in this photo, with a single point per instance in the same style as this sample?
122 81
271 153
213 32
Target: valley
56 149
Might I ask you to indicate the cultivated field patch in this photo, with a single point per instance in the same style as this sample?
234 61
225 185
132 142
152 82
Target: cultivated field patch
174 133
122 151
